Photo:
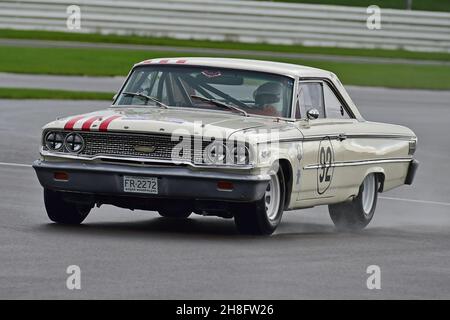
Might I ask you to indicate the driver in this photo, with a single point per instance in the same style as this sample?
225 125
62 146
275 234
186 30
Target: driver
265 96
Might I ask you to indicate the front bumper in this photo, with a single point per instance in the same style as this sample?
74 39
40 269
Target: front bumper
173 182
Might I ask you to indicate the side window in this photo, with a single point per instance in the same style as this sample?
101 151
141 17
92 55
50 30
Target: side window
310 96
333 106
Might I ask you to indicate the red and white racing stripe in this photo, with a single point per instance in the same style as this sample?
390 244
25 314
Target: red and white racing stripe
105 123
165 61
89 121
71 123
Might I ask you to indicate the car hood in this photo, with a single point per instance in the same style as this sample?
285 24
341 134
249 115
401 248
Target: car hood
170 121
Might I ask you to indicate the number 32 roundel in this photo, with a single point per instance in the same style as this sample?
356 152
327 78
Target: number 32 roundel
325 159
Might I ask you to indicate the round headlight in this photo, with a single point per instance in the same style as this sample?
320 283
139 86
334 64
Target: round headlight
215 153
74 142
239 154
54 141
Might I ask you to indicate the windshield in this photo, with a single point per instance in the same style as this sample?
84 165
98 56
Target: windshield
237 91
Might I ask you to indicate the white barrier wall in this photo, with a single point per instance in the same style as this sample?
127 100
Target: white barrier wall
245 21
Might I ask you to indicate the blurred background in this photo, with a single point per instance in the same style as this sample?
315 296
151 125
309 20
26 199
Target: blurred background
390 43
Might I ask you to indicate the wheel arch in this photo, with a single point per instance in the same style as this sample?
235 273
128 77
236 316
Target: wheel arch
286 166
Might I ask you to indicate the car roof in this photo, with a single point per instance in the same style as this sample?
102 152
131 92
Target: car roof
287 69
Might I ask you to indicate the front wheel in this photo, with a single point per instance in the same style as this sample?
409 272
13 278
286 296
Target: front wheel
356 214
63 212
263 217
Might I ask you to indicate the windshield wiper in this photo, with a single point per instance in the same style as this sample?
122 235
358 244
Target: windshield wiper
220 104
146 97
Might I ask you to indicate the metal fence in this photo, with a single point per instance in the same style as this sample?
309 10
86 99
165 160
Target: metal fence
242 21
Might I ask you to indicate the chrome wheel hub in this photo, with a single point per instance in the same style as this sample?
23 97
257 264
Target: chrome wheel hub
272 197
368 194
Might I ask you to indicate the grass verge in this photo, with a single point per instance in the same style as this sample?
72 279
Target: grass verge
107 62
131 39
19 93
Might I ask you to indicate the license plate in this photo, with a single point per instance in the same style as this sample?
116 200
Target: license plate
140 185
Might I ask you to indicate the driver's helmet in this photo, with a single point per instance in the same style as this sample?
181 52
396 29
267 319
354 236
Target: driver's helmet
267 93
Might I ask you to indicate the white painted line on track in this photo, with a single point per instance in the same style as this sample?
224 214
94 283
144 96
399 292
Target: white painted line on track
418 201
8 164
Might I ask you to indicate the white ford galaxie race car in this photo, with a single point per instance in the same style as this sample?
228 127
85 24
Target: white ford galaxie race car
232 138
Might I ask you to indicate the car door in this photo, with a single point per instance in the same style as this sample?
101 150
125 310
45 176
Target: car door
322 145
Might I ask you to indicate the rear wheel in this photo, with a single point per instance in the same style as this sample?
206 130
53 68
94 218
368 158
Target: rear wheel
263 217
63 212
356 214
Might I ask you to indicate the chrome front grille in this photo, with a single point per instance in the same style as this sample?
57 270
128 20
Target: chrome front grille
141 147
124 145
129 145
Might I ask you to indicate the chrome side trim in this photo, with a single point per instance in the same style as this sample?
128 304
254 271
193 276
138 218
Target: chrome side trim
379 136
348 136
358 163
142 160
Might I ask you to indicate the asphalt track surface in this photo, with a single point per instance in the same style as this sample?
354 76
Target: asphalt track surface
124 254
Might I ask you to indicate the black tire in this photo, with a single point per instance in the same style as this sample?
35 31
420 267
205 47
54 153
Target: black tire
252 218
351 216
175 213
63 212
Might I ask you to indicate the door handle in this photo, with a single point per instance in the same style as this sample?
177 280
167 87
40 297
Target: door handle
342 136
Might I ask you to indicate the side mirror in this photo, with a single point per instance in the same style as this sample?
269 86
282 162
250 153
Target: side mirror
312 114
